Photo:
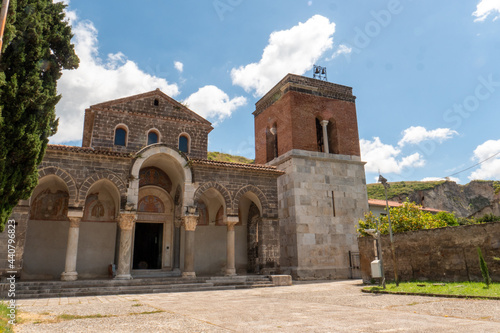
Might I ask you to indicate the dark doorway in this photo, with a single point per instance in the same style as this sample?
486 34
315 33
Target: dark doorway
253 239
147 245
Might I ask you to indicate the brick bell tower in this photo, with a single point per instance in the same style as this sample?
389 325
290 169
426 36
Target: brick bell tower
308 128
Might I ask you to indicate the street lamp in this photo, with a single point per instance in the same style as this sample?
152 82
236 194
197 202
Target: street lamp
386 186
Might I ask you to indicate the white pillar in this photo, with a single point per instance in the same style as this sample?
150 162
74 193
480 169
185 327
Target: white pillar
230 257
190 222
70 273
324 123
126 223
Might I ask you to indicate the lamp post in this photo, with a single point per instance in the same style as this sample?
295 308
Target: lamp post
386 186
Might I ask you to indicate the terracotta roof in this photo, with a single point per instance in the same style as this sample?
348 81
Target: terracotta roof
377 202
87 150
234 165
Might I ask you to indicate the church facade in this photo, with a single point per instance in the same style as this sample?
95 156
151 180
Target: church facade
140 198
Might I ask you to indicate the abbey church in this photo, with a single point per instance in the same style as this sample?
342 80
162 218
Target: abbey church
140 198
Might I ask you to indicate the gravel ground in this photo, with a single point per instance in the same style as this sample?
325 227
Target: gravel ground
305 307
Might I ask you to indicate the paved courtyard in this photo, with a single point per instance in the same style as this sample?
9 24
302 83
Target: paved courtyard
305 307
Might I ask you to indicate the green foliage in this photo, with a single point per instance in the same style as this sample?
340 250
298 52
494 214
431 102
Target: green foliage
469 289
37 46
222 157
488 218
4 319
408 217
376 191
484 268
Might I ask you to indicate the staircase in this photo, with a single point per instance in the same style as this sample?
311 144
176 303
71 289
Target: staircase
46 289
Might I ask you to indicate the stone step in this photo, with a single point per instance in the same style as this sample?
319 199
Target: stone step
122 292
86 283
111 289
47 289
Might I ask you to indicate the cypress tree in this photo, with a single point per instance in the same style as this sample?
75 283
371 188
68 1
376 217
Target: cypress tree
37 46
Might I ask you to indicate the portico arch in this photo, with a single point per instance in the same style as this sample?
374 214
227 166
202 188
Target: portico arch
178 170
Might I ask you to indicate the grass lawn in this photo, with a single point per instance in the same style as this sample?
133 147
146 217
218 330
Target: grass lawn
4 320
470 289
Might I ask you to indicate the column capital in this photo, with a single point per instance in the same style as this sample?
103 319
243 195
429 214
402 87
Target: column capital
126 220
75 216
231 221
74 222
190 222
324 123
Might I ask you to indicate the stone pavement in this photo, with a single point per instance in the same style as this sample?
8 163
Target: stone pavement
337 306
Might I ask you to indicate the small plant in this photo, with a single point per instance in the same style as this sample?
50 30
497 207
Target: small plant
484 268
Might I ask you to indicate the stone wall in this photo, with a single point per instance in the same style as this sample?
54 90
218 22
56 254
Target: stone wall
233 181
321 198
140 114
444 254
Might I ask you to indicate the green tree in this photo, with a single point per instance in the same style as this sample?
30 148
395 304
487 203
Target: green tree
37 46
408 217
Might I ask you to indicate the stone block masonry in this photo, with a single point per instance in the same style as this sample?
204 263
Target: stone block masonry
321 197
444 254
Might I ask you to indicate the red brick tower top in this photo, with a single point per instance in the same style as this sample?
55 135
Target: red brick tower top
307 114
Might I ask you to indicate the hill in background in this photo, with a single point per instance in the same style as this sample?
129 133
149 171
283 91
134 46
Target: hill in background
222 157
475 199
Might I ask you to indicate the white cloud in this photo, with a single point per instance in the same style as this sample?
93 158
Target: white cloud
434 179
417 134
342 49
489 153
485 8
97 80
309 3
289 51
179 66
212 103
386 158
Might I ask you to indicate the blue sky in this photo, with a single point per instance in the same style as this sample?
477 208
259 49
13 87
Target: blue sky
426 74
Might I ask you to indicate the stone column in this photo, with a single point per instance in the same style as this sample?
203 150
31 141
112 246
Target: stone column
190 222
126 223
177 243
70 273
230 262
324 123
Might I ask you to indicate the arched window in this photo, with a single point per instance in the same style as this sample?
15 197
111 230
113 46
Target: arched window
184 143
319 136
152 137
120 136
333 140
272 143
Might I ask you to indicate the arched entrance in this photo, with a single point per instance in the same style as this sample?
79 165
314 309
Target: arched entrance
153 234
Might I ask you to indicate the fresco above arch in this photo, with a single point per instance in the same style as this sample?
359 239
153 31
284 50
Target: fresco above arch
50 206
151 204
156 177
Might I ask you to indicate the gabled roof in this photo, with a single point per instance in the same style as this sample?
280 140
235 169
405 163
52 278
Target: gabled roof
161 96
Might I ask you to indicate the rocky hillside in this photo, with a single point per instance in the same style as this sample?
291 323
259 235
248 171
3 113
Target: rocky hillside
472 200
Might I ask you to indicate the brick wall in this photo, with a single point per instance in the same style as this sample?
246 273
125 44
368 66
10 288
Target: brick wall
294 109
444 254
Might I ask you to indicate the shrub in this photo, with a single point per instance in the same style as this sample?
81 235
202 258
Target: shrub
484 268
